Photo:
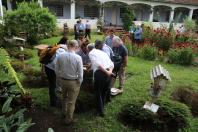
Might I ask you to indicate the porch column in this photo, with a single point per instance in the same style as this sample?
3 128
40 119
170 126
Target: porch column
190 13
171 17
9 5
151 14
40 2
72 9
102 11
1 9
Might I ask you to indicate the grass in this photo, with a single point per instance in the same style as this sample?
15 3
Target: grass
136 87
55 40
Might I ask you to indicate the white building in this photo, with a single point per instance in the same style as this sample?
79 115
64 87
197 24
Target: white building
159 12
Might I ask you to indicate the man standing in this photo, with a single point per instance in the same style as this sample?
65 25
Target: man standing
81 28
76 31
88 29
121 55
51 76
109 39
69 68
138 35
102 67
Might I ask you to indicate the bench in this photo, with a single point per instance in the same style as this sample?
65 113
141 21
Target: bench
160 77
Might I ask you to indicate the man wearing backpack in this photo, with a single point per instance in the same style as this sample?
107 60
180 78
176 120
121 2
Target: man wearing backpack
50 71
120 60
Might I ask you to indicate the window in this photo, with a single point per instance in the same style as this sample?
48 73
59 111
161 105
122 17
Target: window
56 9
91 11
122 11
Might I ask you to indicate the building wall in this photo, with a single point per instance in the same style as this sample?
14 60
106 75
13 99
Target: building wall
67 10
80 11
112 15
142 14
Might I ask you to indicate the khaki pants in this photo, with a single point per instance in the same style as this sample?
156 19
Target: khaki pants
121 74
70 91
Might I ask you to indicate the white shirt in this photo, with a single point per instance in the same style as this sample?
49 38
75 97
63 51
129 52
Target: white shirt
100 58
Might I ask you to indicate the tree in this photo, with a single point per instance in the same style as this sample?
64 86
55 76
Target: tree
32 19
127 19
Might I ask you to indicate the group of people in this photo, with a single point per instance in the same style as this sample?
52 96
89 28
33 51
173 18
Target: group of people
106 60
82 30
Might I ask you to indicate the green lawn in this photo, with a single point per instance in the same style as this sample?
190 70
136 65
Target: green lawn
136 88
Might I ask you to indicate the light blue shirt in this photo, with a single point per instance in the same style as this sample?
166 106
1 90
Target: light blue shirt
107 50
108 41
51 65
81 26
138 33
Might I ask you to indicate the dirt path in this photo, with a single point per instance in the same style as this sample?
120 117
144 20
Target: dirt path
47 118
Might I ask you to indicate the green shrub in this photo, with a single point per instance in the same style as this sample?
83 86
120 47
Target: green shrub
186 56
134 49
173 56
32 19
182 56
15 52
189 24
5 62
29 71
34 78
17 65
171 116
2 34
148 53
162 39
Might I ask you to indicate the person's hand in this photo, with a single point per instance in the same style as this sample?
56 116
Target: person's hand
109 73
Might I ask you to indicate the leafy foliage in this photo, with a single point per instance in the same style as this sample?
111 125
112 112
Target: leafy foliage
10 120
148 52
189 24
32 19
182 56
170 116
7 89
173 56
17 65
6 66
186 56
127 19
15 52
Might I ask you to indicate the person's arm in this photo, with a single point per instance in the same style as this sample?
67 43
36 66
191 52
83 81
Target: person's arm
108 72
125 62
57 66
80 70
125 58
